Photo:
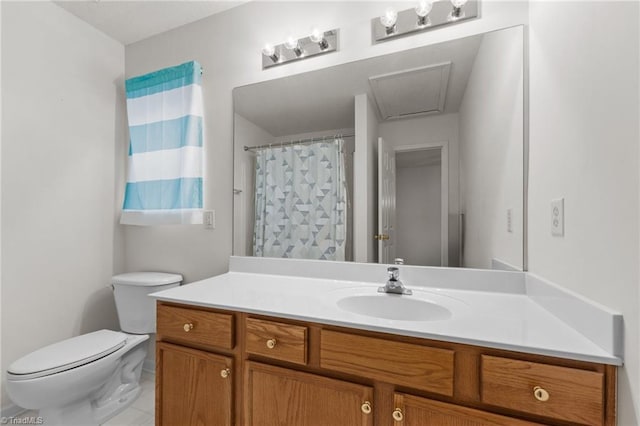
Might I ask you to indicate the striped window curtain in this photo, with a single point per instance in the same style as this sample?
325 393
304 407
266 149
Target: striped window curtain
164 176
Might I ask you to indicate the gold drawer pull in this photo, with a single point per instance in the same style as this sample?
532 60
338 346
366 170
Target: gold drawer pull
397 415
366 407
225 373
188 327
540 394
271 343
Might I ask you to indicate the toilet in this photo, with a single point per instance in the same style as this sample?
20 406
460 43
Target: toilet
88 379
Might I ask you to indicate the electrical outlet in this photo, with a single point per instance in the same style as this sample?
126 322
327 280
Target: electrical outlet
557 217
209 219
510 221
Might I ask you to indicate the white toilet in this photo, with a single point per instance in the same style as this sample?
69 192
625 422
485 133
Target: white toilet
88 379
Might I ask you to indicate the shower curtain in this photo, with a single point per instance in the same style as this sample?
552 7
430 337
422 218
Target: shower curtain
301 202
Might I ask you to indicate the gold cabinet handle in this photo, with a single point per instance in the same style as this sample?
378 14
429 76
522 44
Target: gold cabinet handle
397 415
540 394
366 407
271 343
224 373
187 327
382 237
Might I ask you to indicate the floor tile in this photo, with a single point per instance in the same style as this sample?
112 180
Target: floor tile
130 417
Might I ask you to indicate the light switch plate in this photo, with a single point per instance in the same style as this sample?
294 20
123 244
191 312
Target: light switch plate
557 217
209 219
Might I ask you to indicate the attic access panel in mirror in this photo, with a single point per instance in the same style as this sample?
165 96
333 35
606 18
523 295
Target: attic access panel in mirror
480 118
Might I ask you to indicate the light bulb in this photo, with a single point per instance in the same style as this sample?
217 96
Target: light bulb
291 43
317 36
424 7
458 3
389 18
268 50
457 12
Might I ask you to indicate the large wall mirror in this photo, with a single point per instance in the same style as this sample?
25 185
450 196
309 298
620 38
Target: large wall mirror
417 155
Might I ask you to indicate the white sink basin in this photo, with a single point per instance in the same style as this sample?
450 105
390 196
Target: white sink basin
394 307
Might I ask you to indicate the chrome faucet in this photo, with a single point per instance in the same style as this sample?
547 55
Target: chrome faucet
394 285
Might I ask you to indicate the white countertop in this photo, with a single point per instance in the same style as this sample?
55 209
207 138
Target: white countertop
496 319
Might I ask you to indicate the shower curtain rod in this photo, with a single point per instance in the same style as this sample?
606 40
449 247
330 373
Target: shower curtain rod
296 142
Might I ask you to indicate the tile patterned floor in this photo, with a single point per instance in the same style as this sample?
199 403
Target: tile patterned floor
140 413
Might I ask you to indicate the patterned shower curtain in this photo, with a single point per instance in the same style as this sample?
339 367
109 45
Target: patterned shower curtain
301 202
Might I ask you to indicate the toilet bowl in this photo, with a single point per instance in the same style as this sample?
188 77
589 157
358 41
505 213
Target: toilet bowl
87 379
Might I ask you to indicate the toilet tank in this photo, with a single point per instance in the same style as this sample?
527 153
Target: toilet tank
136 310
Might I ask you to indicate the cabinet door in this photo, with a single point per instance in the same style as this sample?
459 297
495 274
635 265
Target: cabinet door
278 396
192 387
415 411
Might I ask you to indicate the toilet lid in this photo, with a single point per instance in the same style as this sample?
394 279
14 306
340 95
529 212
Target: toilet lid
67 354
146 279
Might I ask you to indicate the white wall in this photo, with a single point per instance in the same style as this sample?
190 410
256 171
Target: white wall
584 137
61 135
365 181
418 215
247 134
431 129
228 46
491 152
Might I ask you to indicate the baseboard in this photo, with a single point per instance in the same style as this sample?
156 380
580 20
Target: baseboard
12 411
500 265
149 366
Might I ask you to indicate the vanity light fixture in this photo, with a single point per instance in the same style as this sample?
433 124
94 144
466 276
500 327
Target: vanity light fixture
293 49
425 16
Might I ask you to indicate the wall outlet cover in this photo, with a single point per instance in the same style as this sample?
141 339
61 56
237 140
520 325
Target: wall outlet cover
557 217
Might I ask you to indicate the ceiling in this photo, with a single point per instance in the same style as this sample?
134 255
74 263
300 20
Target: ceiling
324 99
132 21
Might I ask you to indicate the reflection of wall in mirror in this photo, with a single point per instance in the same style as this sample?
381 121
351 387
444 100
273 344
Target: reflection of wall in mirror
365 210
418 214
246 134
491 152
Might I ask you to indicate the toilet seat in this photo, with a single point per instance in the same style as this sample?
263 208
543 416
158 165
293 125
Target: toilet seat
65 355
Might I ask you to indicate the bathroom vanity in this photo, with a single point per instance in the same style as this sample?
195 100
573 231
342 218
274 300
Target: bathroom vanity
269 362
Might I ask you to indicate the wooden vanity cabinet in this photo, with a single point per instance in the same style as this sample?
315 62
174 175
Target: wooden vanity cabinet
193 387
195 366
231 368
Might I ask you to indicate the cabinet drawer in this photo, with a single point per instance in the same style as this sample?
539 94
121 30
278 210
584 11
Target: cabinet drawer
404 364
277 340
417 411
566 393
201 328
